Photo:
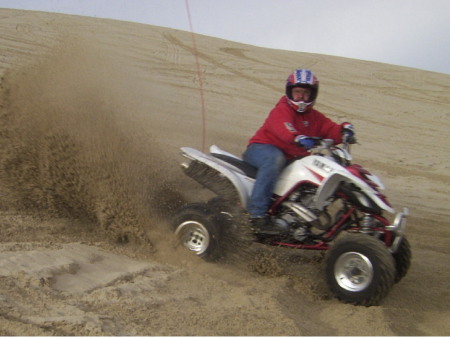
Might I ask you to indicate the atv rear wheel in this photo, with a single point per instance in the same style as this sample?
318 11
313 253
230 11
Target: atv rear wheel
198 230
359 270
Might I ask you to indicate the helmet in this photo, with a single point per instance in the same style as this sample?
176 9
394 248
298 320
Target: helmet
306 79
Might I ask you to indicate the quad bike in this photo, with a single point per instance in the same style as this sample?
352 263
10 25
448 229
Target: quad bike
320 202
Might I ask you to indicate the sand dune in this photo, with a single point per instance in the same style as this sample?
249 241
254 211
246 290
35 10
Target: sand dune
93 113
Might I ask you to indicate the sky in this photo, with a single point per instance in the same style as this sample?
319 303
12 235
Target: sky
411 33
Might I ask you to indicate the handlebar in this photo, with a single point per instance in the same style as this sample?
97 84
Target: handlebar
347 139
329 145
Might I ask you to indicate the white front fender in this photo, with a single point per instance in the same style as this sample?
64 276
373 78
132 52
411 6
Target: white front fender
330 184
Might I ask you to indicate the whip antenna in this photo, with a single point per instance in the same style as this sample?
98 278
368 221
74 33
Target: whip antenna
199 73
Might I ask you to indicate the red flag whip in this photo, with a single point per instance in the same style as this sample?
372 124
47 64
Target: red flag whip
199 72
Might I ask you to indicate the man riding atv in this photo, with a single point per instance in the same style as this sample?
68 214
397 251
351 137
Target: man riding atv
288 132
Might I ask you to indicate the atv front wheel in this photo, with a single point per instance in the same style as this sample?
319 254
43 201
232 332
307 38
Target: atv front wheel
198 230
402 258
360 270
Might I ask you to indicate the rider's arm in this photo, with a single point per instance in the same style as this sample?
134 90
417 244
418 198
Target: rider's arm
281 123
328 129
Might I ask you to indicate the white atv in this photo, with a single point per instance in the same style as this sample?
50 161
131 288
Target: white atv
321 202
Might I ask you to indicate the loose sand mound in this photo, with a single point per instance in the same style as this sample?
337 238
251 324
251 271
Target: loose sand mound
93 113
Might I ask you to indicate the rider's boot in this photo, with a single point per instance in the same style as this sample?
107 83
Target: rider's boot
263 225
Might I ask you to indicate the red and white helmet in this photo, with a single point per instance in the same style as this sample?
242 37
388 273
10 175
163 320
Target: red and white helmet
304 78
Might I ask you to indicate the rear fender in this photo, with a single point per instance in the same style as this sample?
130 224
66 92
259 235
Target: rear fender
241 183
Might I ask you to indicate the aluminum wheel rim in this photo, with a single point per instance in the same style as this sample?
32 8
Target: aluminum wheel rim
194 236
353 271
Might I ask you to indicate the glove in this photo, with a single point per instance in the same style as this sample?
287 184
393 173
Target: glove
348 132
305 142
347 128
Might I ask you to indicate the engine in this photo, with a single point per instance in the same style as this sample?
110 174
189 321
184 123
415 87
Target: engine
297 214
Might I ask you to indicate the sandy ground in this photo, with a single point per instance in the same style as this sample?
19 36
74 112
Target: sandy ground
93 113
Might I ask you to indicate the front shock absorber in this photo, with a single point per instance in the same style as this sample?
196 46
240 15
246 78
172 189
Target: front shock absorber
367 223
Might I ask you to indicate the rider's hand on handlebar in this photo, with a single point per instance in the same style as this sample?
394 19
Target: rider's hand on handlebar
347 128
348 133
349 139
305 142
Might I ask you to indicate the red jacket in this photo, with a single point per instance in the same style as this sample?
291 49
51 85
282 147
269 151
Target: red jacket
283 124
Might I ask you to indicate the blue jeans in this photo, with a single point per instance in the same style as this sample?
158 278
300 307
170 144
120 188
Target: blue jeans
270 161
